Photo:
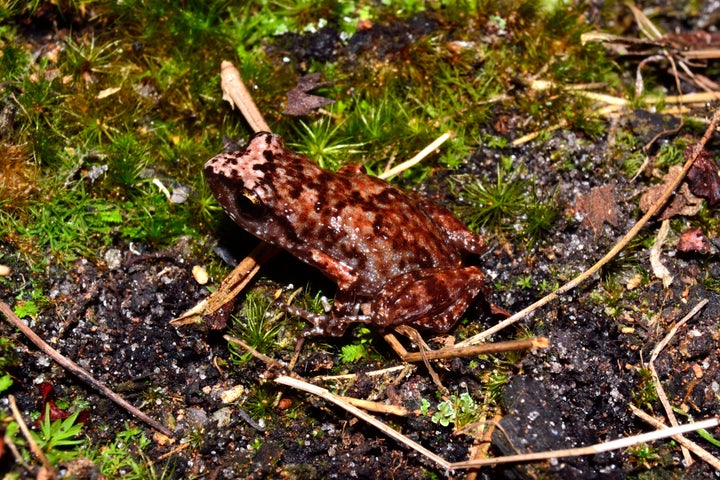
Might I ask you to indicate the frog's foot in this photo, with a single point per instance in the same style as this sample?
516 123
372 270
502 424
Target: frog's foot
431 299
325 323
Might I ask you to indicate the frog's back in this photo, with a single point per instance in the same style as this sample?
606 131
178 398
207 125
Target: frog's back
374 228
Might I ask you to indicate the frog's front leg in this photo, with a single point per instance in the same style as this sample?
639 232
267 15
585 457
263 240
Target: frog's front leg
430 299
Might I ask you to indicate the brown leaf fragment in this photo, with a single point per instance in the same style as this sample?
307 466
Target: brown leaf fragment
702 178
682 203
599 206
300 101
693 240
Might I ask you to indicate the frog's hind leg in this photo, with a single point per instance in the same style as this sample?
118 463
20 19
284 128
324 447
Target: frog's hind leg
430 299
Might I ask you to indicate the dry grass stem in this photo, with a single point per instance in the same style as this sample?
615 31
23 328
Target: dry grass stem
417 158
667 193
376 406
689 444
77 370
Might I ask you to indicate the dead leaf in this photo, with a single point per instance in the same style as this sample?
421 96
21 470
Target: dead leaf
702 178
300 101
682 203
658 268
694 241
599 206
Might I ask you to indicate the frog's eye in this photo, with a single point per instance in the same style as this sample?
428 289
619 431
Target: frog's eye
249 203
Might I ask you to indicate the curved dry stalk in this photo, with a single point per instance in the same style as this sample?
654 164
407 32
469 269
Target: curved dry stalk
77 370
667 193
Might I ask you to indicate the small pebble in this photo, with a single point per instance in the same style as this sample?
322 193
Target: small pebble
113 258
229 396
200 274
4 270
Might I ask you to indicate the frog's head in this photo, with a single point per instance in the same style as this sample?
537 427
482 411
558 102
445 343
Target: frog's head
242 181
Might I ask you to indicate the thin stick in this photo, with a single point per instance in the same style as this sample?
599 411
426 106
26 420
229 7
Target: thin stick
77 370
231 286
34 447
417 158
656 379
689 444
237 94
484 349
667 193
592 449
332 398
376 406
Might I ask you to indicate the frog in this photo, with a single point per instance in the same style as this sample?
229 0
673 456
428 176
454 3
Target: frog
397 257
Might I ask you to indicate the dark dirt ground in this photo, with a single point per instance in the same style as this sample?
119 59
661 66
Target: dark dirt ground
114 323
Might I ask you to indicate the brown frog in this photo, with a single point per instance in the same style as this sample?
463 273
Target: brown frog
396 257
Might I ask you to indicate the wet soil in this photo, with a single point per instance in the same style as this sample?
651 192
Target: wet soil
113 321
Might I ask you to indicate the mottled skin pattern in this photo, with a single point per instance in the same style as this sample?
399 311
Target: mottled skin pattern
395 256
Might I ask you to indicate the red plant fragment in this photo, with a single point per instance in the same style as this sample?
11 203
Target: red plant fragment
47 392
703 179
694 241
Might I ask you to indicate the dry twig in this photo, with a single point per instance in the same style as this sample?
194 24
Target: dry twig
469 351
237 94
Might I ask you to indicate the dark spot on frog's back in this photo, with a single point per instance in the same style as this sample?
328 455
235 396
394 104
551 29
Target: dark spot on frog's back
268 154
385 196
